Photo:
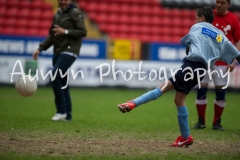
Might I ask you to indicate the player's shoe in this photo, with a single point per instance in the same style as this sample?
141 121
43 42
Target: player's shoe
217 125
200 124
59 117
181 141
126 107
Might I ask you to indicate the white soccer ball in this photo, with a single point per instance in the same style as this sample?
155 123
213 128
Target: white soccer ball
26 87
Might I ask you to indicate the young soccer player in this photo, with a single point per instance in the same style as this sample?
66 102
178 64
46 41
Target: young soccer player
205 45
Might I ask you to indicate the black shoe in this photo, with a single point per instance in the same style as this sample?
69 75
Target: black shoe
200 124
217 125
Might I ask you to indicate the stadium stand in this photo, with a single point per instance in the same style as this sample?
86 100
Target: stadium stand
32 18
25 18
146 20
235 4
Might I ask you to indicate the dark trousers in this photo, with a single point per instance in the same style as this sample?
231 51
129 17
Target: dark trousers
62 96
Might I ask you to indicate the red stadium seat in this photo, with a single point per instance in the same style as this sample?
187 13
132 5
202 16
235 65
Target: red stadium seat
2 11
176 21
144 37
23 13
8 30
103 7
124 19
101 18
23 4
2 20
3 3
122 29
114 8
145 20
9 22
156 11
47 15
109 28
135 19
144 29
11 3
156 21
165 38
166 13
46 6
103 27
36 13
175 31
165 31
176 13
20 31
124 9
175 39
36 4
135 10
32 32
43 32
187 22
92 7
186 13
33 24
155 38
45 25
146 10
113 18
93 16
134 29
155 30
166 22
22 22
11 12
82 5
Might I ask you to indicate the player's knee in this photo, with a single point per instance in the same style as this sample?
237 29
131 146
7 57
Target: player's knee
202 93
220 94
178 102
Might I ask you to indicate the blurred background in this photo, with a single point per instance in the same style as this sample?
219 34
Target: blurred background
127 31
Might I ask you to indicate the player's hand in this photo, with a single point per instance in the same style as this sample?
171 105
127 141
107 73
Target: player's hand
231 67
58 30
35 54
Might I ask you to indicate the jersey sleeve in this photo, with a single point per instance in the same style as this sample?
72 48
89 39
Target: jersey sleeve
229 53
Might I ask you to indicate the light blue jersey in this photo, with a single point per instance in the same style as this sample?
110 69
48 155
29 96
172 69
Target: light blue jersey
208 44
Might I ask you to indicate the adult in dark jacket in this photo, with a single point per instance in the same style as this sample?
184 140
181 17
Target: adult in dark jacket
65 35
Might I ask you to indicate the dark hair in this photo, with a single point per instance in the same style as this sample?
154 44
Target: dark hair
207 13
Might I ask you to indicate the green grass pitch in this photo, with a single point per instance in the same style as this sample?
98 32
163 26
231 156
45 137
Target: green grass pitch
100 131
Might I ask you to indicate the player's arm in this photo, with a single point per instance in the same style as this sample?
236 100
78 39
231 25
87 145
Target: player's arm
238 59
237 45
232 65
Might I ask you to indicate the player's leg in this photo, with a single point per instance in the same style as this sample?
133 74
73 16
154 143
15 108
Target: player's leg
183 87
62 97
220 101
185 139
149 96
201 103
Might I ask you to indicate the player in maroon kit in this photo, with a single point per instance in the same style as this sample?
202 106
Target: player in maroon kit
229 24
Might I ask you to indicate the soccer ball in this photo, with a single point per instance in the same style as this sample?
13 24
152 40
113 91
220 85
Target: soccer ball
26 85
